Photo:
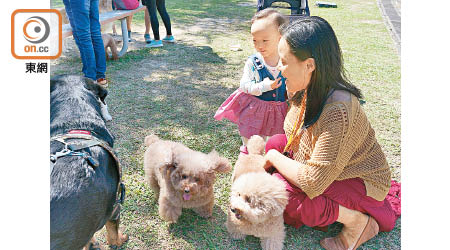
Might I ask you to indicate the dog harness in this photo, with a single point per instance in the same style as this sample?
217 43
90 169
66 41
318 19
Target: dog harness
75 149
277 94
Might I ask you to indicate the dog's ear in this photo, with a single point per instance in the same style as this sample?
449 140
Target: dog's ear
98 90
220 164
279 197
170 163
167 168
281 201
53 84
256 145
54 81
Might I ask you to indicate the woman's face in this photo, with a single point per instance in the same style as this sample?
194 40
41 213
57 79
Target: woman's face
298 73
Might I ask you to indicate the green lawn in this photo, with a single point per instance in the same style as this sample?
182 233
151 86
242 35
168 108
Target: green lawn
175 90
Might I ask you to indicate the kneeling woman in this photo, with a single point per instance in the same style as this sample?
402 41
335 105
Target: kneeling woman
329 158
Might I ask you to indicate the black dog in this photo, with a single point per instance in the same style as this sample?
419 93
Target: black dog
84 184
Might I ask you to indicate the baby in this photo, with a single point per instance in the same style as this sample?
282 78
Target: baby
259 106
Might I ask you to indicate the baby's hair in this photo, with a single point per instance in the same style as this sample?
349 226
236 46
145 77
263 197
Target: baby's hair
269 12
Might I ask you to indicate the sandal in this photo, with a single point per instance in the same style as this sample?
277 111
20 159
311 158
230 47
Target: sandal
102 82
323 229
340 243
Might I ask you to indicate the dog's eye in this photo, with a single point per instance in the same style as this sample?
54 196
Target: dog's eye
183 176
197 179
247 199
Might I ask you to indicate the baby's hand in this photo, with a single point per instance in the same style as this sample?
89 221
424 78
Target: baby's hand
273 84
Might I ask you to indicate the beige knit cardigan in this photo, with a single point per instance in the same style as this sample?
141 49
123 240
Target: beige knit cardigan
340 145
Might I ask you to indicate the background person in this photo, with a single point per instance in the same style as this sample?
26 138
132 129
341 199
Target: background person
84 19
130 19
160 5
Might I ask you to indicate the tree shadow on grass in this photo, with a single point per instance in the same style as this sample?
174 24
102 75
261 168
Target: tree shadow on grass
173 93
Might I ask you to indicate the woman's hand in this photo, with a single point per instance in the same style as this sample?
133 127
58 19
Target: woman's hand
285 166
269 157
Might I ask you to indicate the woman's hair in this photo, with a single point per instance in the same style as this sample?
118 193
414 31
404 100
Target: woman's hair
269 12
313 37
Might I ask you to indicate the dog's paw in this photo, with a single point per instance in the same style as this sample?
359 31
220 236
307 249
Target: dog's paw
271 244
93 244
121 239
205 211
236 235
170 214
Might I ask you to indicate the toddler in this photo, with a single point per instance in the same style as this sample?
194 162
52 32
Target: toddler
259 106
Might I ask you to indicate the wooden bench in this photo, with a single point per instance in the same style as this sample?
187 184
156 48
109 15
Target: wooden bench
109 17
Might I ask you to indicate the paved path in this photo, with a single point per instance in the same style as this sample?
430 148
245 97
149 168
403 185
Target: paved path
391 11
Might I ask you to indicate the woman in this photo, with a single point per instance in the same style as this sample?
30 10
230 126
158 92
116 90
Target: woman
84 20
329 159
160 5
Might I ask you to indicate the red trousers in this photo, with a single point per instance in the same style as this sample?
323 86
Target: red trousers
323 210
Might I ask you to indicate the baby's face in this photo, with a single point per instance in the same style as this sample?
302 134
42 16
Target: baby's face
265 36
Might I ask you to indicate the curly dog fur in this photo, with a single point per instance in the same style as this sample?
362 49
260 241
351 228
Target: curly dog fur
181 177
257 200
108 42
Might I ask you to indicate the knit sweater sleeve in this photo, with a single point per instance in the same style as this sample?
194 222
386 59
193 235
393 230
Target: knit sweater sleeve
330 153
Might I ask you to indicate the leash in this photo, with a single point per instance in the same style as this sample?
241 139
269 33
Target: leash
73 149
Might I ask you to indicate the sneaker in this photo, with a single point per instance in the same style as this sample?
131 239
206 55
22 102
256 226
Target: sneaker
154 44
243 150
168 39
129 37
147 38
102 82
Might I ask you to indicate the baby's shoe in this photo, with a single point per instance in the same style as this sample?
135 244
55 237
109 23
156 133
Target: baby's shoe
243 150
169 39
154 44
147 38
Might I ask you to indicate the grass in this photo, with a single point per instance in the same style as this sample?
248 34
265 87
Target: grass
175 90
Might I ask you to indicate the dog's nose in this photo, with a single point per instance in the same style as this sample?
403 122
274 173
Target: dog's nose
186 190
237 213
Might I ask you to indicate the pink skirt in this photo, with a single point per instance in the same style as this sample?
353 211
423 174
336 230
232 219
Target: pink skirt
253 115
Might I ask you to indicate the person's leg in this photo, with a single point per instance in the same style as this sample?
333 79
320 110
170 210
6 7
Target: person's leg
277 142
358 228
97 41
161 5
147 27
345 202
79 17
113 25
151 7
243 148
129 19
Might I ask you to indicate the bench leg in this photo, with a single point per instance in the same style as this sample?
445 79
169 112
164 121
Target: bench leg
123 23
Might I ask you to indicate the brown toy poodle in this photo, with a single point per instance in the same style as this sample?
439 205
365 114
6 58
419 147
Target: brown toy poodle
257 200
109 42
181 177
